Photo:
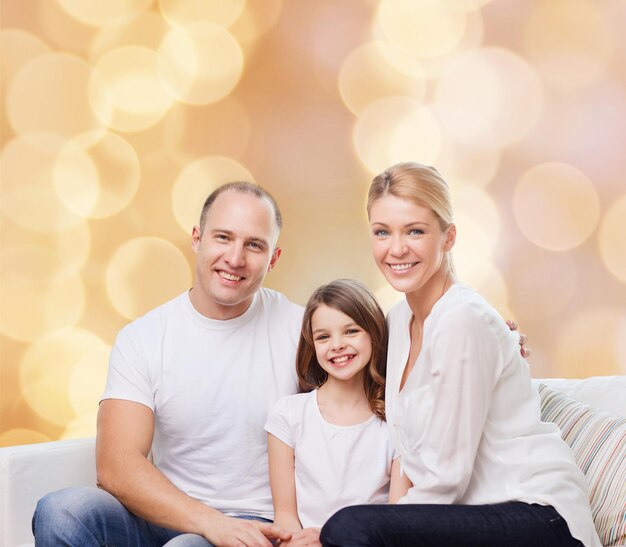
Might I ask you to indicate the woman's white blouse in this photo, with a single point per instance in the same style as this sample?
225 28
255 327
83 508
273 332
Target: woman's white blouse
467 422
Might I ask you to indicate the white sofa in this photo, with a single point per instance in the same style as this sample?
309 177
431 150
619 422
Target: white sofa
30 471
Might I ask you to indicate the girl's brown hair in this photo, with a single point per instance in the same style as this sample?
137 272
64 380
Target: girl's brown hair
358 303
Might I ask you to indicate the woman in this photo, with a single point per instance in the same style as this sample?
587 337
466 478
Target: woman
484 470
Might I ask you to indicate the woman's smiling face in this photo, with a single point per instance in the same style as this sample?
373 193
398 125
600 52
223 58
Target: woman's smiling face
408 244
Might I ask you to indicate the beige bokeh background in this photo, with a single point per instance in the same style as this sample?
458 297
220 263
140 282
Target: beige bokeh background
119 117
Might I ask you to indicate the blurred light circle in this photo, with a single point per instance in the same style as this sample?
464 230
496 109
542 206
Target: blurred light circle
81 427
37 257
50 94
28 195
19 435
87 381
476 165
542 283
556 206
256 20
222 129
571 42
145 272
18 48
477 221
64 32
422 27
133 89
387 296
396 129
103 14
378 70
612 239
480 272
416 136
46 369
147 30
199 63
182 12
197 180
499 85
37 308
587 344
97 180
473 36
462 5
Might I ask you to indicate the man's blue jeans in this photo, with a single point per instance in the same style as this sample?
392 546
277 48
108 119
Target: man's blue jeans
513 524
90 517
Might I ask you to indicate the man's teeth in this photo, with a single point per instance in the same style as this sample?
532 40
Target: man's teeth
400 267
342 359
231 277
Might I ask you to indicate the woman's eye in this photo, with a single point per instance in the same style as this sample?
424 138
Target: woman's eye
416 232
381 233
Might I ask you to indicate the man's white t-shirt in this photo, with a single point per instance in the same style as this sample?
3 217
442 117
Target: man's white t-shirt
210 385
335 466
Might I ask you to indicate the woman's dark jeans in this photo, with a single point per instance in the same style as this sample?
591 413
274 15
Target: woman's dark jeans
513 524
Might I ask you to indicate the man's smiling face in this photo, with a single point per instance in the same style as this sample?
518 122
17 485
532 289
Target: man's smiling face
234 251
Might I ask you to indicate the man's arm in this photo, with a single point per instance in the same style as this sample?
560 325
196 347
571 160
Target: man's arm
125 431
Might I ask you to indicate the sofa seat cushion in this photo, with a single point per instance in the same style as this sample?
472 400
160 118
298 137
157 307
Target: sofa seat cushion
598 440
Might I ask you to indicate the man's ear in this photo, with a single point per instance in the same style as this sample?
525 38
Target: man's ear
450 237
274 259
195 238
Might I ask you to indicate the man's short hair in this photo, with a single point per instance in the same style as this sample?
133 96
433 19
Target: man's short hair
242 187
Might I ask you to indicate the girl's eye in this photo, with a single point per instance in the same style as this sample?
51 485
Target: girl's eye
321 337
352 331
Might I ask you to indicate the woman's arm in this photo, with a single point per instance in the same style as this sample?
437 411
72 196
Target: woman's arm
400 483
283 484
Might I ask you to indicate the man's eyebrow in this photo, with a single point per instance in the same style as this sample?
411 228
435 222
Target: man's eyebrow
231 233
259 240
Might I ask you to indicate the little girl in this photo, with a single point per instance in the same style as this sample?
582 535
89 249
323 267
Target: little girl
329 446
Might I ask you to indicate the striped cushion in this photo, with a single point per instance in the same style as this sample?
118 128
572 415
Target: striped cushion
598 440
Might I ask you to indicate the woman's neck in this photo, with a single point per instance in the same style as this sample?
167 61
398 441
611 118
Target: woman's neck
422 301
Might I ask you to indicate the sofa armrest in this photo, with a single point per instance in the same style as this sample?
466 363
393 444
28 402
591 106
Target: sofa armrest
29 472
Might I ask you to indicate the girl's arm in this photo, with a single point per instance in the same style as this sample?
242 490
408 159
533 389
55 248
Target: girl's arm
400 483
283 484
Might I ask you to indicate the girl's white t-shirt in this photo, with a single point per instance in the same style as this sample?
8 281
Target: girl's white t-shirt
335 466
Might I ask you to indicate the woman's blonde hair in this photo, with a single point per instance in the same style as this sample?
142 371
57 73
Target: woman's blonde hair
418 183
358 303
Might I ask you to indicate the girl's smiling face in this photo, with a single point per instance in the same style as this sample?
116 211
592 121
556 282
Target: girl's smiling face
408 244
343 349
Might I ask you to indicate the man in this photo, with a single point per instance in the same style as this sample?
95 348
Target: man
192 382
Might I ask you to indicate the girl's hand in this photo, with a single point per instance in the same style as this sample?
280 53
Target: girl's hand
307 537
522 339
